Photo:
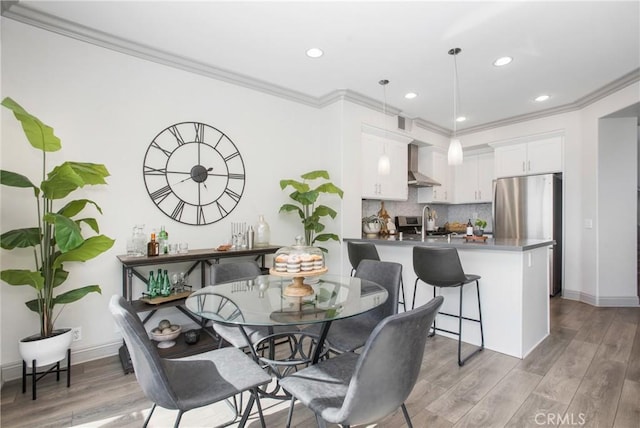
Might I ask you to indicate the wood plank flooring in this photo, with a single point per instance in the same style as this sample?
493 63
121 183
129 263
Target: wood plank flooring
586 373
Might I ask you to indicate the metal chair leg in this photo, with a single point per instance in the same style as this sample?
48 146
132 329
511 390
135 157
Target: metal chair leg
415 290
177 422
404 300
406 416
290 414
433 331
146 421
481 347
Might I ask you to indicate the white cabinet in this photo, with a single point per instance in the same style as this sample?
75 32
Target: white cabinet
533 157
393 186
433 162
474 179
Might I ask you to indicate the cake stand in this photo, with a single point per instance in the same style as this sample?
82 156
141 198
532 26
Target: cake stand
298 288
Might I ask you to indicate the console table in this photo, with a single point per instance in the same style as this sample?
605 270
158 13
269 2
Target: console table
199 258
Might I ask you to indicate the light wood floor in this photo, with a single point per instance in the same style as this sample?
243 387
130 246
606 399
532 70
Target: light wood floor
587 373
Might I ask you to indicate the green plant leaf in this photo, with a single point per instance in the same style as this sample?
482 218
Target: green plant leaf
312 175
329 188
327 237
300 187
91 222
306 198
77 294
14 179
23 277
289 207
67 232
70 176
323 210
34 305
39 135
74 207
60 277
90 248
20 238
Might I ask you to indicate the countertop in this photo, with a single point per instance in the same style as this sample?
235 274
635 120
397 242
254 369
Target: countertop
490 244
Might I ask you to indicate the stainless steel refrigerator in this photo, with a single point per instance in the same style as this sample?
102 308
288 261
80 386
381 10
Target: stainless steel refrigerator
531 207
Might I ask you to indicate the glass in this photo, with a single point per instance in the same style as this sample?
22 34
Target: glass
183 248
298 258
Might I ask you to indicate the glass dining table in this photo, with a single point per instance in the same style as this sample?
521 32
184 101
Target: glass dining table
260 302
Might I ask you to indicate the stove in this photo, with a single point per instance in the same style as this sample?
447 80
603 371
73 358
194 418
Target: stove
412 224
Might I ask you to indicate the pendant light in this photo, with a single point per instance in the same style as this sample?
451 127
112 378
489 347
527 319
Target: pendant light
384 163
454 156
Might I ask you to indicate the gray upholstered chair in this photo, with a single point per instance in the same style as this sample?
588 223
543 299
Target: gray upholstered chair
441 267
352 333
359 251
186 383
236 271
353 389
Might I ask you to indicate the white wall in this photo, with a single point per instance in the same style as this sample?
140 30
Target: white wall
617 178
106 107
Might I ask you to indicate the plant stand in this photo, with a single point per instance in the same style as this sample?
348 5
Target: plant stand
36 375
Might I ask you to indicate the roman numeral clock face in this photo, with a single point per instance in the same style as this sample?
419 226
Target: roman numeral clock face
194 173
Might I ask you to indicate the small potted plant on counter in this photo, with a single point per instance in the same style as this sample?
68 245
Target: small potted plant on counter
479 229
372 224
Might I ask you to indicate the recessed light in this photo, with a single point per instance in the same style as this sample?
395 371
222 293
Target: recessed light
502 61
314 53
410 95
461 119
541 98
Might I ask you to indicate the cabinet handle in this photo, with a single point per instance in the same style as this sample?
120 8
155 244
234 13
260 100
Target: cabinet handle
523 168
479 194
528 165
475 195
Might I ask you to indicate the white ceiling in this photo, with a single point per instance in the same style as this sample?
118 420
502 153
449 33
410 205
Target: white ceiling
574 51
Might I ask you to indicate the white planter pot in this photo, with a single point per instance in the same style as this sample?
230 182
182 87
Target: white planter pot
371 228
48 350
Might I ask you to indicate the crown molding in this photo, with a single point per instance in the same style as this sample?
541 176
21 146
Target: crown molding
21 13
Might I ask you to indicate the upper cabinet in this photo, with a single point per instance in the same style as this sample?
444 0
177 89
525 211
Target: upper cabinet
393 186
474 179
433 162
537 156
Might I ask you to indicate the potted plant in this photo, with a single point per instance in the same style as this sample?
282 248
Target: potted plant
479 229
310 213
372 225
56 238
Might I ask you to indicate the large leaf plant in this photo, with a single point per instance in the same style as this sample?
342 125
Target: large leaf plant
309 211
57 238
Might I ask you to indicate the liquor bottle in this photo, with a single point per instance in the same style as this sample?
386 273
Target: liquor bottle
153 246
469 228
163 237
151 285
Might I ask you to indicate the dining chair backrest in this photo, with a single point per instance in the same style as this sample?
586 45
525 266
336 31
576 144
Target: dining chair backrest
147 363
235 271
388 366
386 274
359 251
440 267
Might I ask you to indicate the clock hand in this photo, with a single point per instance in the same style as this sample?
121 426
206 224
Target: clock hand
193 178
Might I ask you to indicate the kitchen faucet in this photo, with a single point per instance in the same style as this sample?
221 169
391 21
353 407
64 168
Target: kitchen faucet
426 207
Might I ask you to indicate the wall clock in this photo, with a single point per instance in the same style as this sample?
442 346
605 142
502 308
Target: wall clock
194 173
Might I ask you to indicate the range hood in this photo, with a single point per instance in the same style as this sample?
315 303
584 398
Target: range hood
416 178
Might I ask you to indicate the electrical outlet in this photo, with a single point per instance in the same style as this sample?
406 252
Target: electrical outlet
76 332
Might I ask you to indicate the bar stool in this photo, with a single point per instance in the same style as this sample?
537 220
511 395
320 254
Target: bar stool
359 251
441 267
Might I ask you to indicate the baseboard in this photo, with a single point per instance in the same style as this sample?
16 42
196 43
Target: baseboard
13 370
602 301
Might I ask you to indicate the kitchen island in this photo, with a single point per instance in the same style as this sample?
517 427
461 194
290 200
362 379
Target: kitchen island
514 288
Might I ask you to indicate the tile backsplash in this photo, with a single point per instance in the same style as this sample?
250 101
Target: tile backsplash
445 212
